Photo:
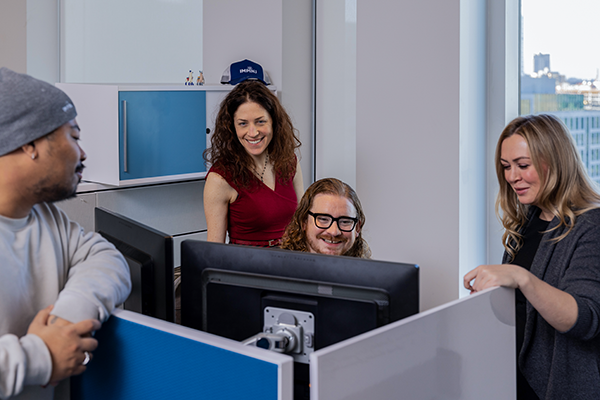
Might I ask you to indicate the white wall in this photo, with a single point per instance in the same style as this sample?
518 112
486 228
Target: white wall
336 80
133 41
29 37
297 82
235 30
43 39
13 35
408 137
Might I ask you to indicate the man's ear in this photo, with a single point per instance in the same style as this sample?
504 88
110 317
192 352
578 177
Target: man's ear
30 150
358 227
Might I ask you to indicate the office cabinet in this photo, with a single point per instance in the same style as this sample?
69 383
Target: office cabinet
161 133
143 134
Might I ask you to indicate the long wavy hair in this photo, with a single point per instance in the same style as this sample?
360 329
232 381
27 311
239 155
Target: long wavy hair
226 151
294 237
566 190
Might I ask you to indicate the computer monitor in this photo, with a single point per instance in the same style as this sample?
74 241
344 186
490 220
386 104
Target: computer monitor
240 292
149 254
224 289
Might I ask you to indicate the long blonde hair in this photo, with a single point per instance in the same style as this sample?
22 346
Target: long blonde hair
566 190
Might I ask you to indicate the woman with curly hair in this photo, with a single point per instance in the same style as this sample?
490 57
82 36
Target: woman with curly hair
254 184
329 220
551 216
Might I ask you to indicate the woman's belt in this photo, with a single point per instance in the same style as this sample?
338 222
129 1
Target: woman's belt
258 243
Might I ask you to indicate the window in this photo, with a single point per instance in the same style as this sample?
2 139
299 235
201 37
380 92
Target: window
559 72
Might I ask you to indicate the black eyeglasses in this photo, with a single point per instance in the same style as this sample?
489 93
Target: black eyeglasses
324 221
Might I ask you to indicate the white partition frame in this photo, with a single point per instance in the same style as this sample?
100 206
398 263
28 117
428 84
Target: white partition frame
461 350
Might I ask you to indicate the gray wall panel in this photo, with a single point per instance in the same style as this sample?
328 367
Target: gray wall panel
174 208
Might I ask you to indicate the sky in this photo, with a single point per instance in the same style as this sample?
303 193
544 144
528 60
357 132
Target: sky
568 30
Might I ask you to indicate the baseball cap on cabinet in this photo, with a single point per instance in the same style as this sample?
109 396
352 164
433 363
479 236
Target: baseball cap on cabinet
241 70
30 109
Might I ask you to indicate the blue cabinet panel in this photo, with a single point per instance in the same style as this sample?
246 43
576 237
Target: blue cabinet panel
161 133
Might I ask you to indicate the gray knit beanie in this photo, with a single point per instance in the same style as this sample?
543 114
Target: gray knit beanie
29 109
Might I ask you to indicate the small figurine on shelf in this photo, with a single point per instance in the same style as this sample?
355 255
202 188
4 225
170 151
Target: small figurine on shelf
200 79
191 79
187 81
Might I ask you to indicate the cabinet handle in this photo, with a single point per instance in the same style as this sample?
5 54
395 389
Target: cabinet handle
124 103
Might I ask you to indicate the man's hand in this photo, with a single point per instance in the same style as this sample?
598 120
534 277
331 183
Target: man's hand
67 342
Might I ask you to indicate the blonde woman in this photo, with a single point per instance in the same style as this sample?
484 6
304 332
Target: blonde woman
550 213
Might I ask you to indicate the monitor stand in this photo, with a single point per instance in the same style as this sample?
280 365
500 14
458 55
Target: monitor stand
286 331
290 332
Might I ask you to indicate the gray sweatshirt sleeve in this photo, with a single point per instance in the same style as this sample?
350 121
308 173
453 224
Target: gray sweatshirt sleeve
97 278
23 361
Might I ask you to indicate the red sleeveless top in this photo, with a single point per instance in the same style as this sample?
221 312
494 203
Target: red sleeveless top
259 213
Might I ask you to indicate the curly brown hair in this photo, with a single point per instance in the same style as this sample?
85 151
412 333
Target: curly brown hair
227 152
566 190
294 237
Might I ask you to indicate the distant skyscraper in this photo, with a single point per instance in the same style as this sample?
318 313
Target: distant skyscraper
541 61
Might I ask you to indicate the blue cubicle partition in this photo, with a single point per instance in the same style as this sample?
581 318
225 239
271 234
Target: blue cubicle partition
463 350
140 357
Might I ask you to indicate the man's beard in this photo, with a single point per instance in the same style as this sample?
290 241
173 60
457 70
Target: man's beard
53 193
314 243
46 193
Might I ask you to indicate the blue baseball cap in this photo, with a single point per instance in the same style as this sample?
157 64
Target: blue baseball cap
242 70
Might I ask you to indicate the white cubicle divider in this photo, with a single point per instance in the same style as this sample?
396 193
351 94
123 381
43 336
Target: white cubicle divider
461 350
140 357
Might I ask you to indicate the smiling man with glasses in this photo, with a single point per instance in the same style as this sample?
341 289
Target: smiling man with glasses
329 220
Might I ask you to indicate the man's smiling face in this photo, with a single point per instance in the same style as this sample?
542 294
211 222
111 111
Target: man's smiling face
332 240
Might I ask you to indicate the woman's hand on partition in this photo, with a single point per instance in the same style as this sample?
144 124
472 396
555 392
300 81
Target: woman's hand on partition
487 276
557 307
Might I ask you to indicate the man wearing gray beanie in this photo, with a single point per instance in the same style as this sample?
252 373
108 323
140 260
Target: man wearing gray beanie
57 283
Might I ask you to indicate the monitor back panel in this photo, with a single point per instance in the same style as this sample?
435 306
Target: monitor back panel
125 234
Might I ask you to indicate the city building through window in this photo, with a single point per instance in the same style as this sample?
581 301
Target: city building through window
560 70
